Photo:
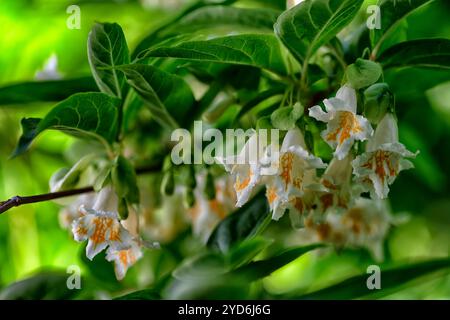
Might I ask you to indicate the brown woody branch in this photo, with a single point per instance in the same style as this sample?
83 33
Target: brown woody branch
19 201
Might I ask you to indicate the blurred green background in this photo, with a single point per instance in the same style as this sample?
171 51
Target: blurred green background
32 240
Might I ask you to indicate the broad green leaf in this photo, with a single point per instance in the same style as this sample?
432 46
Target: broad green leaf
391 280
263 268
155 35
43 91
146 294
92 115
167 96
209 264
363 73
211 288
286 117
258 50
245 223
392 13
70 177
243 252
107 48
311 24
212 16
428 53
124 180
213 263
262 96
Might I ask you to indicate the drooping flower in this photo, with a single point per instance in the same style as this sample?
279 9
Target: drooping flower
378 168
207 213
124 258
296 170
245 168
101 229
70 213
336 183
344 125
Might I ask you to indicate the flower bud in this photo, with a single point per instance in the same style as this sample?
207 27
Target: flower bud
168 183
123 209
189 198
378 99
210 188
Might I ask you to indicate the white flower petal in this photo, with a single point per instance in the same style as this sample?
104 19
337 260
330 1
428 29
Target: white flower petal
317 113
348 94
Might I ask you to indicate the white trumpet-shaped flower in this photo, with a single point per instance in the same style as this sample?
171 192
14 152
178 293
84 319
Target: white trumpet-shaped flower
378 168
336 182
365 225
207 213
124 258
344 125
101 229
100 225
296 170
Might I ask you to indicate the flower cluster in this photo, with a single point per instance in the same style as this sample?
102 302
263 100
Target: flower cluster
100 225
330 205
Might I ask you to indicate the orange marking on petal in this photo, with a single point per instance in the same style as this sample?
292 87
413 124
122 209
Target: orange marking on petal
287 160
328 184
271 194
101 226
323 231
241 185
378 161
217 208
348 125
299 205
81 231
327 200
123 257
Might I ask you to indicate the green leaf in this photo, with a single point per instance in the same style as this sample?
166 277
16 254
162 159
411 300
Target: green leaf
311 24
107 48
258 50
164 94
243 252
92 115
146 294
245 223
124 180
286 117
392 13
427 53
363 73
213 16
70 177
155 35
214 264
391 281
261 269
209 264
44 91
